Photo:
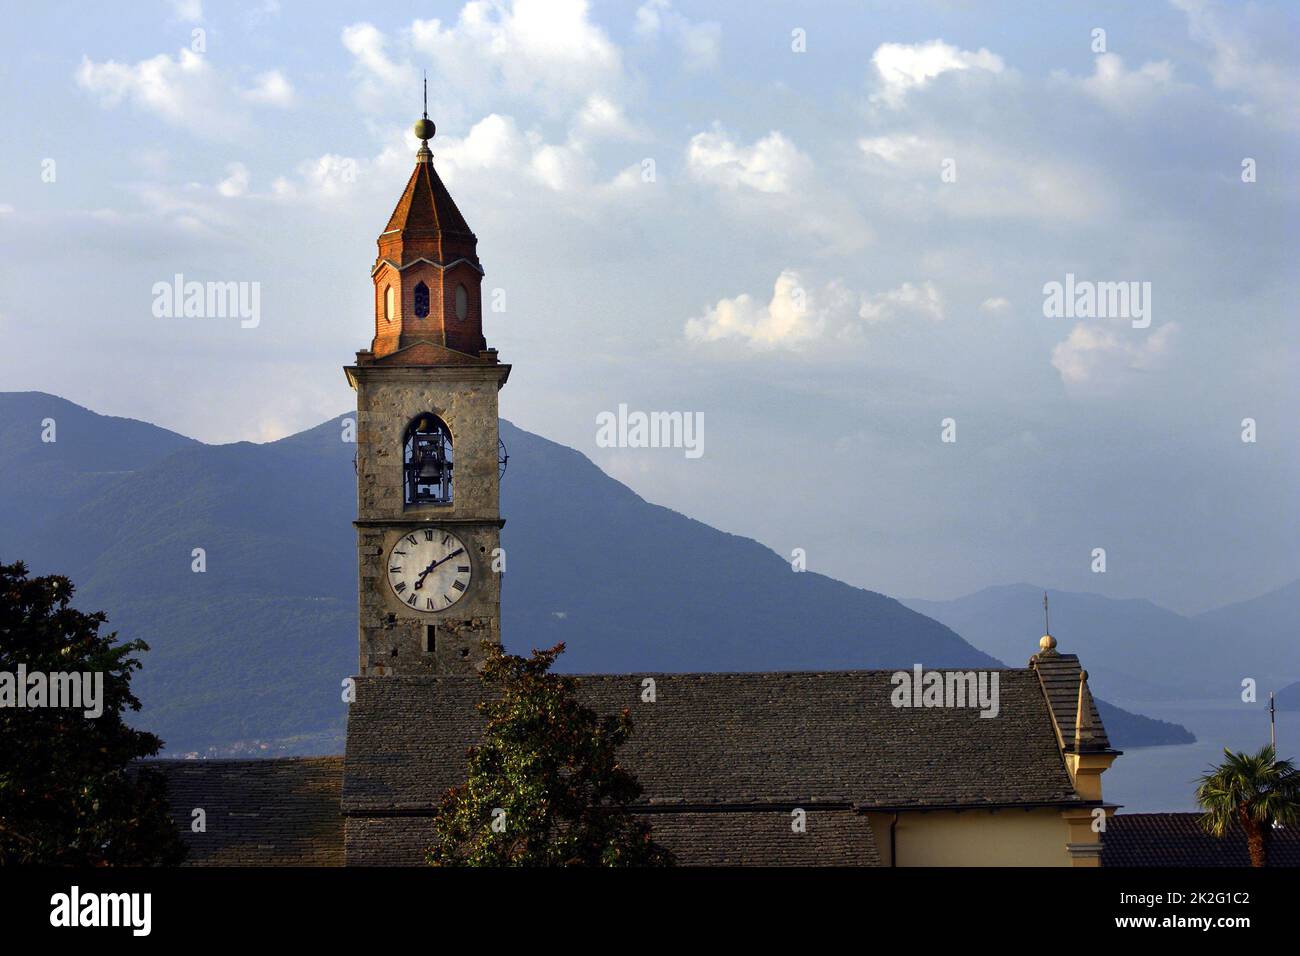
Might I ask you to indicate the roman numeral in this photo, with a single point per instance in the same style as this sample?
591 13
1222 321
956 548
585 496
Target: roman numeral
428 534
413 539
462 568
399 587
394 570
446 540
457 585
428 604
412 599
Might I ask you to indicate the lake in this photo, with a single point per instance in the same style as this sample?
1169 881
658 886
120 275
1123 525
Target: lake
1149 779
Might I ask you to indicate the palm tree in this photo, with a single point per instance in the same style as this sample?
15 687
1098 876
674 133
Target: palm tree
1257 790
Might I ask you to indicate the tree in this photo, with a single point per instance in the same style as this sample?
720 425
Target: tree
545 787
67 796
1256 790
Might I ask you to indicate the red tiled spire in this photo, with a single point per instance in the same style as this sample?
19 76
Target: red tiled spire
426 222
428 305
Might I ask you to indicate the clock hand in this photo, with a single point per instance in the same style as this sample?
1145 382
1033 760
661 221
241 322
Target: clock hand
423 574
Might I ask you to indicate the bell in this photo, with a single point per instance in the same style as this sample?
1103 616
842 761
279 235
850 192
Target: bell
430 467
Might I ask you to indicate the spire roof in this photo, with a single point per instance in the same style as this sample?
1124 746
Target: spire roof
426 208
426 222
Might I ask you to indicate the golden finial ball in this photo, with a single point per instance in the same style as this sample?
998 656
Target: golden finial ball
424 128
1047 642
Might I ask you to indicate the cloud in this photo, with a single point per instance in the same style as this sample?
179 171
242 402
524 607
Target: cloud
324 178
1122 90
923 301
790 318
548 52
1238 66
771 178
236 181
1101 358
188 10
995 304
993 180
796 315
379 74
902 67
496 143
602 118
272 89
698 40
184 91
771 165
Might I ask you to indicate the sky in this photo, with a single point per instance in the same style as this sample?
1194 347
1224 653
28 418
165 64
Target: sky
828 229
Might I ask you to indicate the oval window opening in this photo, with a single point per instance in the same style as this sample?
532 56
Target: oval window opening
389 303
462 302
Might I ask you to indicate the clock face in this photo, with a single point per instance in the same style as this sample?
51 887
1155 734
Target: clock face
429 569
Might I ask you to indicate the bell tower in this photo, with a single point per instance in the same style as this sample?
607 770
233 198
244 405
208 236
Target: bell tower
428 459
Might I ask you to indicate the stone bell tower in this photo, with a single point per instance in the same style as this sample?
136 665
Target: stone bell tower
428 453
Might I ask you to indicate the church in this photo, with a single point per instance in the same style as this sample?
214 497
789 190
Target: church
791 768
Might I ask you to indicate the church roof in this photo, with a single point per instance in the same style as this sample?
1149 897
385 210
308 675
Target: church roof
1059 674
695 837
740 741
282 812
426 220
722 758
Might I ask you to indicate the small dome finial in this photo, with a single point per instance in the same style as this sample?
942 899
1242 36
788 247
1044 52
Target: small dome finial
1046 643
424 128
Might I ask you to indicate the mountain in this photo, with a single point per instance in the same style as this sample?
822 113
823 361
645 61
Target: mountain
1134 649
254 647
1259 637
87 453
1288 698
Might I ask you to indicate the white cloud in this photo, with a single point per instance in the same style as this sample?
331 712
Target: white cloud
380 74
773 178
992 180
272 89
328 176
1236 65
923 301
188 10
602 118
236 181
771 165
1100 358
698 40
796 315
494 142
1123 90
995 304
183 90
546 51
907 66
790 318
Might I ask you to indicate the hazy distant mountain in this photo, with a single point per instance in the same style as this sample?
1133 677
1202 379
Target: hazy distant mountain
254 648
1132 648
1258 638
1288 698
